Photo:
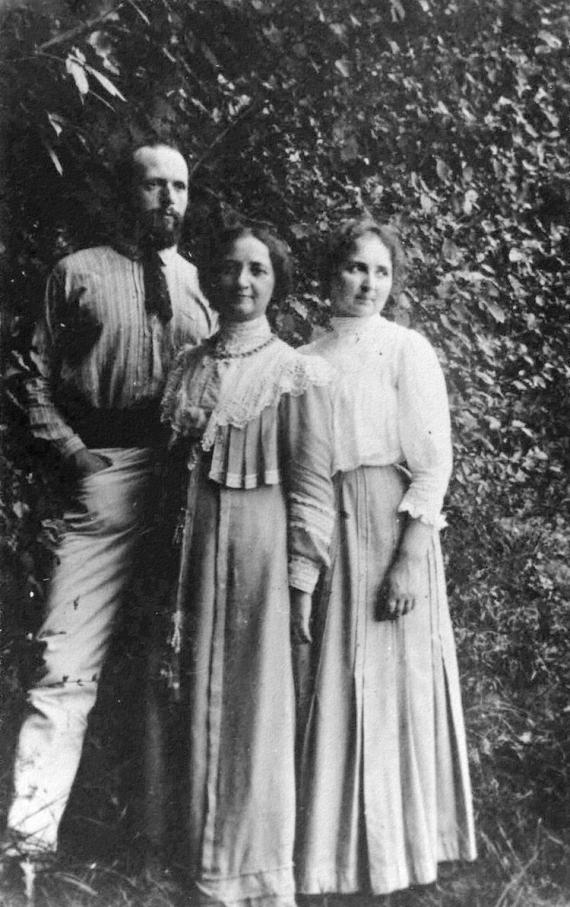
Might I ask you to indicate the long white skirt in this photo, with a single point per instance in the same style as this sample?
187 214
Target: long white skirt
384 791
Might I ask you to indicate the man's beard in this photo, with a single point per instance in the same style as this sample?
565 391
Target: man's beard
160 229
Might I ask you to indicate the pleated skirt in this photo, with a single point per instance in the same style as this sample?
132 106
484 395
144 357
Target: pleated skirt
239 700
383 780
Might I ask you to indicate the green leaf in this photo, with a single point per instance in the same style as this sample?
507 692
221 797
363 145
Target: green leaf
106 83
495 310
450 251
103 47
552 42
55 123
54 158
76 70
469 201
471 276
397 11
300 231
442 170
342 66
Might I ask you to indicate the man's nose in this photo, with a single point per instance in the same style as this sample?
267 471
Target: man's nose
167 194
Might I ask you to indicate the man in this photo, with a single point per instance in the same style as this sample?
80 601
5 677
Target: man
113 322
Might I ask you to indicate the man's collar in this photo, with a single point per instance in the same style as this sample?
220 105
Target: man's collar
168 255
136 252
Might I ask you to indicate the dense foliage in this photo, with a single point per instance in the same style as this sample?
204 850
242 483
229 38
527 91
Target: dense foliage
451 119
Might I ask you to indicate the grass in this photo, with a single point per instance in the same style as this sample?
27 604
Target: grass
502 877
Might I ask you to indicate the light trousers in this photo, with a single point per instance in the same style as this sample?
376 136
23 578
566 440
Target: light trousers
95 566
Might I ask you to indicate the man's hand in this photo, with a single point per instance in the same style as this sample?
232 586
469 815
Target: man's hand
85 463
301 605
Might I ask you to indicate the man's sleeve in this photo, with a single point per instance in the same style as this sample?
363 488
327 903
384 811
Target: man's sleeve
210 316
46 422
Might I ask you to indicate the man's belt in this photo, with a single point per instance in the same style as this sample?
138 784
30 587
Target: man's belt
137 426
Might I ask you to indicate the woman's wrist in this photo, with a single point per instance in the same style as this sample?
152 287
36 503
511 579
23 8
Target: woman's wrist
415 541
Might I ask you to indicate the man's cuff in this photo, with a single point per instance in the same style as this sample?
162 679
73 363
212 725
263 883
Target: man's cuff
69 447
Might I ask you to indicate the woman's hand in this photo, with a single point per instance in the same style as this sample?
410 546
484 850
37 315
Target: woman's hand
301 606
406 579
404 584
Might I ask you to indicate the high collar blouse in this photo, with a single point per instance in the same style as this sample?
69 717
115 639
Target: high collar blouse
232 379
390 407
259 413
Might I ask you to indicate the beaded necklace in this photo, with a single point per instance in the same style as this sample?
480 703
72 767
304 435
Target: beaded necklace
218 351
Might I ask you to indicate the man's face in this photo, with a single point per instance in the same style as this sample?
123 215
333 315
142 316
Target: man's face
160 193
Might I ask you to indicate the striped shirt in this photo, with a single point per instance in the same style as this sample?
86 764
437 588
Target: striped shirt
127 363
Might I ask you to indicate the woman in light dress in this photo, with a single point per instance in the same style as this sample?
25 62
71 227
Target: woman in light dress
254 419
384 791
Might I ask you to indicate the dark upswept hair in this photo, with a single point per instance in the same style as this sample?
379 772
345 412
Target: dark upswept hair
341 243
279 254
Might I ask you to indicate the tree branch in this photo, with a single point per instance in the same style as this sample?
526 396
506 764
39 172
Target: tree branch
221 138
78 30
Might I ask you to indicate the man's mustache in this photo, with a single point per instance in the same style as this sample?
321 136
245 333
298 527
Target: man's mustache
157 214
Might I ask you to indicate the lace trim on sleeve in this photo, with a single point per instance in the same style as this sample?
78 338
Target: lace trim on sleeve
426 515
303 574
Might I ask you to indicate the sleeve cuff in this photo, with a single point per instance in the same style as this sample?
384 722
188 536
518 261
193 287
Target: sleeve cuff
71 446
424 514
303 574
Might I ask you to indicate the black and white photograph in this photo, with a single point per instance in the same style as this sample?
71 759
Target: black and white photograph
284 453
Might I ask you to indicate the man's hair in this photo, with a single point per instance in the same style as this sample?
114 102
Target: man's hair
125 169
341 243
279 255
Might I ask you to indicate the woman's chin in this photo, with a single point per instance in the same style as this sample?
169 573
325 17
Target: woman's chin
357 311
239 311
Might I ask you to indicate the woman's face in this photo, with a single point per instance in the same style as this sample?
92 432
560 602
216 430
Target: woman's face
364 281
247 280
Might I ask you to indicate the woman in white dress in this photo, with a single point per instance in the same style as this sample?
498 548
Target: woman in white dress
384 791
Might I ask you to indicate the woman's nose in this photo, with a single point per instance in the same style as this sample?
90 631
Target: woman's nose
243 277
372 280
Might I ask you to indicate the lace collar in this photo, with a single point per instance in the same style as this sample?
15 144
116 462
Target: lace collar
243 383
241 338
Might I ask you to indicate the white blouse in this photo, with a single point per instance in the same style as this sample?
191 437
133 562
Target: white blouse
390 407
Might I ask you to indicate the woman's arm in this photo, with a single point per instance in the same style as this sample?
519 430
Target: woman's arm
301 609
306 443
424 428
406 576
